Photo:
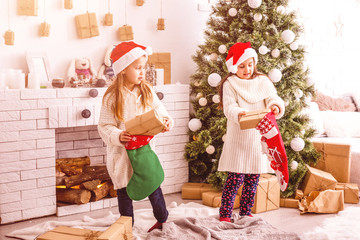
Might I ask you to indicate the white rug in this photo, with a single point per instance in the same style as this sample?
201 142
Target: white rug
346 225
144 219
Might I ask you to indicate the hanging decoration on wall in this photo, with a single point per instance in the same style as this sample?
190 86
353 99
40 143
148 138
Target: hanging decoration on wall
27 7
86 24
338 25
161 20
9 35
108 21
126 32
139 3
44 29
68 4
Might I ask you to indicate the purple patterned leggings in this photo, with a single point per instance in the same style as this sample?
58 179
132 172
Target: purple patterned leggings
231 186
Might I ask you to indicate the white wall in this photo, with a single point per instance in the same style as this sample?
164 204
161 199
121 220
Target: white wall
332 44
332 56
184 27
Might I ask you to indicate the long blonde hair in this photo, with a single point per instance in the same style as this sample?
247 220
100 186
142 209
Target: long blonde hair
116 89
221 84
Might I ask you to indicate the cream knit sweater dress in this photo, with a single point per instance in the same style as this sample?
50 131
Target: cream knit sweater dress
242 148
109 128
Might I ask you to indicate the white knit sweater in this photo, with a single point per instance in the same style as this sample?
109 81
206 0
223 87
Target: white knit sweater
242 148
117 161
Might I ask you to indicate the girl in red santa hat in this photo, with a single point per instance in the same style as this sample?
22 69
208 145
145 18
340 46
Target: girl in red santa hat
243 89
128 96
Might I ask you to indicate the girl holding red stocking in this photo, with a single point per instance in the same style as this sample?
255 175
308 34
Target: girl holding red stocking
243 89
128 96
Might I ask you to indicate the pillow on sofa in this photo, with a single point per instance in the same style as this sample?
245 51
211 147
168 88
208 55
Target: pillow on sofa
341 124
340 104
316 121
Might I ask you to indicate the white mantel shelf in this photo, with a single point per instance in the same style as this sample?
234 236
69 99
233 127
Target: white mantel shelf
28 119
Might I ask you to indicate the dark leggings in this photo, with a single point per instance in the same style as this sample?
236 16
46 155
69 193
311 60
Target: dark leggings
231 186
156 199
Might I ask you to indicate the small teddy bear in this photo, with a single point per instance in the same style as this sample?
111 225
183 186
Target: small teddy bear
81 72
106 71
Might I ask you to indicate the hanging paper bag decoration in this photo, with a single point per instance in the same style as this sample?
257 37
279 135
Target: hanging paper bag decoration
44 29
161 24
148 173
163 61
126 33
139 2
86 25
9 37
68 4
108 19
28 7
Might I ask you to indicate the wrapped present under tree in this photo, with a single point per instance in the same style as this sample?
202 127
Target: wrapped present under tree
213 199
191 190
335 159
267 195
351 192
317 180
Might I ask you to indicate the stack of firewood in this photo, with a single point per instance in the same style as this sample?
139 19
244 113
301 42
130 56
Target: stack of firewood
77 182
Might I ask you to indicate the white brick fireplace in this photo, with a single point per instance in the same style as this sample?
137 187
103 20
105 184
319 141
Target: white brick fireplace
38 126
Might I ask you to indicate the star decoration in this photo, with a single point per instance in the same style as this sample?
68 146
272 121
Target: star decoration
339 25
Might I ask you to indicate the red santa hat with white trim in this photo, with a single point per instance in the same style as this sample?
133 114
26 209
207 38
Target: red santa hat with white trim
238 53
126 53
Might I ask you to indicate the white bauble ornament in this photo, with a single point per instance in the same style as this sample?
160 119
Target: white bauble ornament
216 98
232 12
275 53
280 9
257 17
213 56
298 93
202 101
294 165
263 49
288 36
303 131
194 124
254 3
223 138
310 81
210 149
275 75
294 46
222 49
214 79
297 144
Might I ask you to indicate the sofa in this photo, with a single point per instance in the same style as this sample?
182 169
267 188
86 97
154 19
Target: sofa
337 120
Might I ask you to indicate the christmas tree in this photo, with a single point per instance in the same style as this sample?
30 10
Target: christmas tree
273 33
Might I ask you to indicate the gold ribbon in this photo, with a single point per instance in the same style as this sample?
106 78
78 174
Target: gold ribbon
93 235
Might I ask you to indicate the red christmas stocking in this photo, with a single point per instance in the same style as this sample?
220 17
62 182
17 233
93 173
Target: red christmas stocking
275 148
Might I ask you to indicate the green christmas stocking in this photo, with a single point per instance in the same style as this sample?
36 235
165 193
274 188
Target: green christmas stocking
148 173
